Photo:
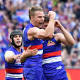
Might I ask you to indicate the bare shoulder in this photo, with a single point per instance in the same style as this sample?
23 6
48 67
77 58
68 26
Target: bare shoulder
34 30
9 53
58 35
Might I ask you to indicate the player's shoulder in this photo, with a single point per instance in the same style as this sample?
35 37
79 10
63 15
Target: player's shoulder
58 34
9 52
33 30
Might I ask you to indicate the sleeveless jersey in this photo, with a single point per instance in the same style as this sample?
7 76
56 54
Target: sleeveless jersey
53 67
34 62
14 70
51 51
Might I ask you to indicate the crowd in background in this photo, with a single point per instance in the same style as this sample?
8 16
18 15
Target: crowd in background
14 14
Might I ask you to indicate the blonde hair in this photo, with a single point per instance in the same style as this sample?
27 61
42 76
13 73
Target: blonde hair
33 10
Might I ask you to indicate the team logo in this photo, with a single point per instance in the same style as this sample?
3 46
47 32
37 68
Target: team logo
50 43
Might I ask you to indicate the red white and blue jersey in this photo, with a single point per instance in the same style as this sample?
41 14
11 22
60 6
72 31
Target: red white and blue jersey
51 51
14 70
53 67
34 62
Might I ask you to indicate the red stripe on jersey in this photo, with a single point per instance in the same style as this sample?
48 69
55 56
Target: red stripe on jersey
14 70
57 53
35 47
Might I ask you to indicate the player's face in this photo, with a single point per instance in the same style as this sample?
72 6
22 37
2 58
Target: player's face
39 18
45 25
18 40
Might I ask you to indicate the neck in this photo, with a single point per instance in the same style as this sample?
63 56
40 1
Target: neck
33 24
18 49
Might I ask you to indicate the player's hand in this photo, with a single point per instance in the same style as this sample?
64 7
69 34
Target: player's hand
58 24
17 56
52 15
30 52
34 52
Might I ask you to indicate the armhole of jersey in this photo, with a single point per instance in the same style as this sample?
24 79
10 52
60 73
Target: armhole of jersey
25 34
57 41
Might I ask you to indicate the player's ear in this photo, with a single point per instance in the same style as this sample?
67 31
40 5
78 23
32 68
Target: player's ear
10 40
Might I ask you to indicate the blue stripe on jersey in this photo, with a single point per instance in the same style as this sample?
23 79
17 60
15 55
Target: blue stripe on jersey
51 46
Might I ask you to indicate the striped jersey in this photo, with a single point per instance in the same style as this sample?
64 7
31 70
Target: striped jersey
53 67
36 43
15 69
51 51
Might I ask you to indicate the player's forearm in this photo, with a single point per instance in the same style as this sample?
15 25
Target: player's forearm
68 36
24 56
50 28
49 31
10 59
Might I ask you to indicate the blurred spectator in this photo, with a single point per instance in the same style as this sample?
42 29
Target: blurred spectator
1 59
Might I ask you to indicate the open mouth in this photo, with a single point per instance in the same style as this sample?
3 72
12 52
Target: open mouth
18 42
41 23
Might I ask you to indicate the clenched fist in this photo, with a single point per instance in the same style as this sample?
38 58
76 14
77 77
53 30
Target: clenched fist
51 14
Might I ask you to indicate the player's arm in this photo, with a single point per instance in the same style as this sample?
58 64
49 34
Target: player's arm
10 56
64 37
60 38
41 33
27 53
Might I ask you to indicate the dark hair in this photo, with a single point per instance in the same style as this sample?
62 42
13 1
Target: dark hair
33 10
15 32
46 18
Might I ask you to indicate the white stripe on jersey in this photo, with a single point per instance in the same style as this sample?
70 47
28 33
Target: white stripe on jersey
14 75
40 52
52 59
